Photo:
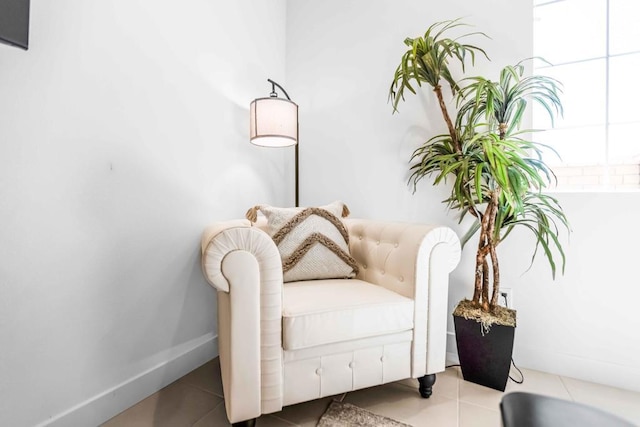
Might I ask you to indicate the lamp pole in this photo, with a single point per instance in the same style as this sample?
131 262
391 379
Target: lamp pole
296 163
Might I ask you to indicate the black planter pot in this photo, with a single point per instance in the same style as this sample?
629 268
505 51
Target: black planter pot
484 359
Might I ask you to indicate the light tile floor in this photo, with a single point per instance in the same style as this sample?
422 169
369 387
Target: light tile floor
197 400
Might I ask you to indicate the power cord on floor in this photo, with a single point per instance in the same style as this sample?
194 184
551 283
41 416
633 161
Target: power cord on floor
519 371
520 381
506 304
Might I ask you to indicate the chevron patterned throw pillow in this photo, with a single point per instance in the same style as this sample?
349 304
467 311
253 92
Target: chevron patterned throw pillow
313 242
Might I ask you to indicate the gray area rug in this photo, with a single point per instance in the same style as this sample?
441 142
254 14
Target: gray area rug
340 414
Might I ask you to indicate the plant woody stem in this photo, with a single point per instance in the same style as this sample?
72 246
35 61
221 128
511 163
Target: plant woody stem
485 284
477 289
496 278
481 255
445 114
495 197
502 129
487 247
488 220
492 249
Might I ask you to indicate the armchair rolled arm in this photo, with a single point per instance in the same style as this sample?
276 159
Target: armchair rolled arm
244 264
222 238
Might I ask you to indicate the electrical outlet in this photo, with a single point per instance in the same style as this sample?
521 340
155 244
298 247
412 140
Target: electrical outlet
508 292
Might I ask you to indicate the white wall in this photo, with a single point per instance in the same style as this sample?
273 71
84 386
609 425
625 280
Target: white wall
585 324
123 132
341 56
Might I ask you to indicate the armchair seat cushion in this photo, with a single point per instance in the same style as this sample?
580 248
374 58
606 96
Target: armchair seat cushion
319 312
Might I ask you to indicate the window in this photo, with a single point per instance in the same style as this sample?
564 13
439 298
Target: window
593 49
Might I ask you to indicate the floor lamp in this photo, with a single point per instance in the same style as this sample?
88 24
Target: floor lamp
274 123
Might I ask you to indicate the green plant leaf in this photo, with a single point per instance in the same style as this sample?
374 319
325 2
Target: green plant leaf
486 159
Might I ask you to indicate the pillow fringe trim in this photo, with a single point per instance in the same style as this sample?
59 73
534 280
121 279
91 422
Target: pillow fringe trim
306 213
252 213
307 244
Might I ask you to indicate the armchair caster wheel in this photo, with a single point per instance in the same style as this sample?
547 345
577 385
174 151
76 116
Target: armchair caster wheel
247 423
426 385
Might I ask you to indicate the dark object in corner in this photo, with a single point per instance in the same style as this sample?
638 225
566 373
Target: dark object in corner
248 423
485 359
533 410
14 23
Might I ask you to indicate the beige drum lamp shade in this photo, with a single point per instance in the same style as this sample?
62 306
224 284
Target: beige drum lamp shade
274 122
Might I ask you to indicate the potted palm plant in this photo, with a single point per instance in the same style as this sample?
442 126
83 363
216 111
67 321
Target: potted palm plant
497 175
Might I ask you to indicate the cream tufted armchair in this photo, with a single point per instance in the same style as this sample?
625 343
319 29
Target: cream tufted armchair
282 344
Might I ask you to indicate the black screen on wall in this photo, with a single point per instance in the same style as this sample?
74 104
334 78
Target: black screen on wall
14 23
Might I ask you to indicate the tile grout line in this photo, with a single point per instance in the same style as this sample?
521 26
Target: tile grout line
204 390
480 406
566 388
457 394
457 400
283 419
207 414
200 388
406 385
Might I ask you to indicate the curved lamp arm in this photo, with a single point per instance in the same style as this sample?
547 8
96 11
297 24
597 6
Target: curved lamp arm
273 89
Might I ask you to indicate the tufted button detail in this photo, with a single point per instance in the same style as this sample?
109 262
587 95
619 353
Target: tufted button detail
359 237
382 272
377 242
395 245
352 365
364 266
382 358
401 279
319 371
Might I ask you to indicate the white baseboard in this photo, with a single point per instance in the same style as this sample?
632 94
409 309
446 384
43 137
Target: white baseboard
452 359
100 408
452 349
575 366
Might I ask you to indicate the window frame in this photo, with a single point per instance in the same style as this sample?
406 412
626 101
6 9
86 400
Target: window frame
612 176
